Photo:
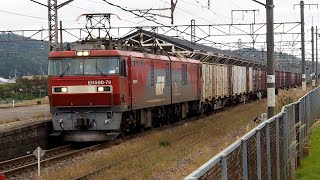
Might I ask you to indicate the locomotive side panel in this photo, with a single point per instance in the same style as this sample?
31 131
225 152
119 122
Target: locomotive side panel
155 91
184 82
140 69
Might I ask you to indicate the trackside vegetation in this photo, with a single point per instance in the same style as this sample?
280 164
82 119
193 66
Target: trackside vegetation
171 159
24 89
310 166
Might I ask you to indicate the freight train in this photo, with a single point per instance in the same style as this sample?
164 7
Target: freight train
97 93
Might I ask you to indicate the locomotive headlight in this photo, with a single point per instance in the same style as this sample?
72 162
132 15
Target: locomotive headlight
64 89
83 53
100 89
103 88
79 53
60 89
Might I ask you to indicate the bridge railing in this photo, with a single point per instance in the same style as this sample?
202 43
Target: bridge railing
273 150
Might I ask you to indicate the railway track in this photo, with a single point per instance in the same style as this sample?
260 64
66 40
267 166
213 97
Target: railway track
28 163
89 175
92 173
15 167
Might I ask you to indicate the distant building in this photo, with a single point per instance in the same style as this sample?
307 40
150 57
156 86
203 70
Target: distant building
35 76
6 81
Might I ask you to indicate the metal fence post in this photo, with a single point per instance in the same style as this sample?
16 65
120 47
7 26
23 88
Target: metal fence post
300 133
224 167
258 141
244 159
305 134
268 150
293 144
285 143
278 148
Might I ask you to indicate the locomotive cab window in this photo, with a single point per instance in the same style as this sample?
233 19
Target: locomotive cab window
79 66
123 69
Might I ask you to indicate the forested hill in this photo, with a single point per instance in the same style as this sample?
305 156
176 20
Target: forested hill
29 57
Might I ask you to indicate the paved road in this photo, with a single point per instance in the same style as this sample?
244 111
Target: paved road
24 113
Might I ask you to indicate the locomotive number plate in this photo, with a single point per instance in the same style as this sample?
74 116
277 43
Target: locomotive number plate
100 82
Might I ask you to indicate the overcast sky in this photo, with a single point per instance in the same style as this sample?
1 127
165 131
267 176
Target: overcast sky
34 16
24 14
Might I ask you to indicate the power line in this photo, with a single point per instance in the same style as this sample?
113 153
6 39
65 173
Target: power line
24 15
29 16
202 6
130 11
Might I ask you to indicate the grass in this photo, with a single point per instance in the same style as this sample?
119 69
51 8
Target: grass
32 102
173 159
16 119
285 97
164 143
34 118
310 166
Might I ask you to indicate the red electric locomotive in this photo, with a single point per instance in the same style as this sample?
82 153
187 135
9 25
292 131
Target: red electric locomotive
97 94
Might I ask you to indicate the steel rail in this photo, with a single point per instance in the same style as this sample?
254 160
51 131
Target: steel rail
28 166
29 158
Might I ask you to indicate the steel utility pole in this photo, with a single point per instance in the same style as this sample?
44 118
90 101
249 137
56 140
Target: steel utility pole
303 71
316 75
271 79
270 60
173 7
53 21
312 54
303 68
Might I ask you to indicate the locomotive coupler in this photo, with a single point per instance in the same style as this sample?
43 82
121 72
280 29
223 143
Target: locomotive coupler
83 123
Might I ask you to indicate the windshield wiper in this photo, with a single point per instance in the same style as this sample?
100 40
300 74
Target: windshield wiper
64 72
100 71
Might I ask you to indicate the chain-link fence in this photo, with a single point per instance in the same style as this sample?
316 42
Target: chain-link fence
273 150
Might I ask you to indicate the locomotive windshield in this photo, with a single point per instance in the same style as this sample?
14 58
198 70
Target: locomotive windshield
90 66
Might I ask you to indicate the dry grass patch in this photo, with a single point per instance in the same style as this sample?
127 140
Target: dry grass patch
168 157
40 115
162 154
16 119
286 97
32 102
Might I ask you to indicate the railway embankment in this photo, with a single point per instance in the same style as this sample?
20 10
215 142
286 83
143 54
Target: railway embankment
169 154
22 138
174 151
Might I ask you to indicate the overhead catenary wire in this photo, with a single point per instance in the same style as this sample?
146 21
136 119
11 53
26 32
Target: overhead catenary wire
24 15
132 12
